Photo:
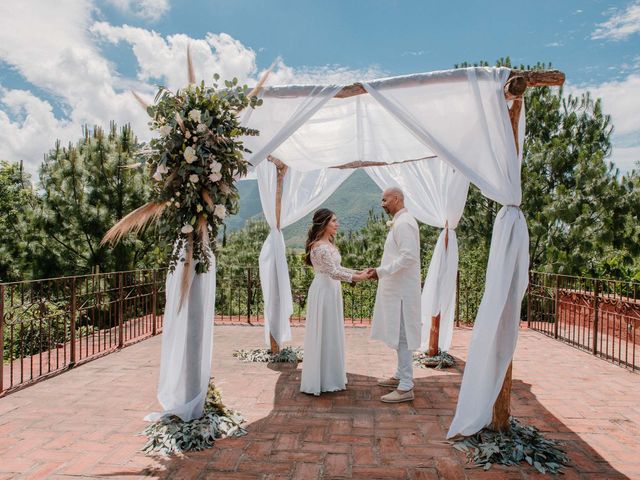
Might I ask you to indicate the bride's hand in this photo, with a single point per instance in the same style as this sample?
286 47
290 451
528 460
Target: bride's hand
358 277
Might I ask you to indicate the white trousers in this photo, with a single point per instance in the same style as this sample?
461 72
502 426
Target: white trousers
404 371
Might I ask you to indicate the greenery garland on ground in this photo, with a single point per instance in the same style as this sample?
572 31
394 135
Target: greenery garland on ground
521 444
438 361
172 435
286 355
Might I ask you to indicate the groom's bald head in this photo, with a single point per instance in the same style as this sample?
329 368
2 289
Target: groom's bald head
392 200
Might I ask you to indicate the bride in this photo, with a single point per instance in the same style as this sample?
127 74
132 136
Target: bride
323 367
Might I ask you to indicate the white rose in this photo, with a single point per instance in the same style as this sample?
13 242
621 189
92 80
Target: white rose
193 178
162 168
187 229
201 128
194 139
220 211
166 130
195 115
157 176
187 134
215 176
190 154
177 194
177 204
215 166
224 188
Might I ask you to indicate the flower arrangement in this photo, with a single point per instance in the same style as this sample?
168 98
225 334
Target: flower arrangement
194 162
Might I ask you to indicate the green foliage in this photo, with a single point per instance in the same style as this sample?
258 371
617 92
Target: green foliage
37 329
200 152
439 361
263 355
520 444
581 213
86 188
170 435
17 203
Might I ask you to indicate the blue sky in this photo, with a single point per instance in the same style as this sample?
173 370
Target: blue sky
70 62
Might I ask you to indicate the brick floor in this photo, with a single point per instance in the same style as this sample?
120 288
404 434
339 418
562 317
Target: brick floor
84 423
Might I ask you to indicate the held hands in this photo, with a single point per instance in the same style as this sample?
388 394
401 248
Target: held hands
366 274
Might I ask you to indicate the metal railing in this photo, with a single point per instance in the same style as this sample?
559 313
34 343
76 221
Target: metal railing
596 315
47 326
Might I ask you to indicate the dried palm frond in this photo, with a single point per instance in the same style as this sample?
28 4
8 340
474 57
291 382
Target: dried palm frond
140 100
203 231
262 81
134 221
131 166
180 122
185 284
207 199
191 74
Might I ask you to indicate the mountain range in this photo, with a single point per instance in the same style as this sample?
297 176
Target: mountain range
351 202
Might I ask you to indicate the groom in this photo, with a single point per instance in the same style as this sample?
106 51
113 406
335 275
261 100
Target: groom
396 315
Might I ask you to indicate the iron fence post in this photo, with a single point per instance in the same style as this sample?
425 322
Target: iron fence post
2 337
249 295
556 315
596 299
529 299
154 299
72 325
458 298
120 310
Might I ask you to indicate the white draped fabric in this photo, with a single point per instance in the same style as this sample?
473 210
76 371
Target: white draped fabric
278 118
435 194
466 122
302 193
462 117
187 344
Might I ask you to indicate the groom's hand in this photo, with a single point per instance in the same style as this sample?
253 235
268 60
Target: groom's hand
372 273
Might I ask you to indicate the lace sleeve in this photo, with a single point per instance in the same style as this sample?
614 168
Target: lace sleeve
325 260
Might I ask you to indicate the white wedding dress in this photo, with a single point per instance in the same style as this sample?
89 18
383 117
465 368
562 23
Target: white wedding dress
323 368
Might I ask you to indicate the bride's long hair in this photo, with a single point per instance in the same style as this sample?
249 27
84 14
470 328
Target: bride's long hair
320 220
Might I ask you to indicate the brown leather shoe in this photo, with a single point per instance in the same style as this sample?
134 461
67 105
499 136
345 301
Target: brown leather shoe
388 382
397 397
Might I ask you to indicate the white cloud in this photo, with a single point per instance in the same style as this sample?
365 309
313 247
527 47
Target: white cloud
621 25
554 44
620 99
55 46
151 10
165 59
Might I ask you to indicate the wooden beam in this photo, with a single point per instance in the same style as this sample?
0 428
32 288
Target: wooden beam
529 78
359 163
502 406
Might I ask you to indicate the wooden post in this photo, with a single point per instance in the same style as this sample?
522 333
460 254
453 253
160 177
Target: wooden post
502 407
434 333
282 170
